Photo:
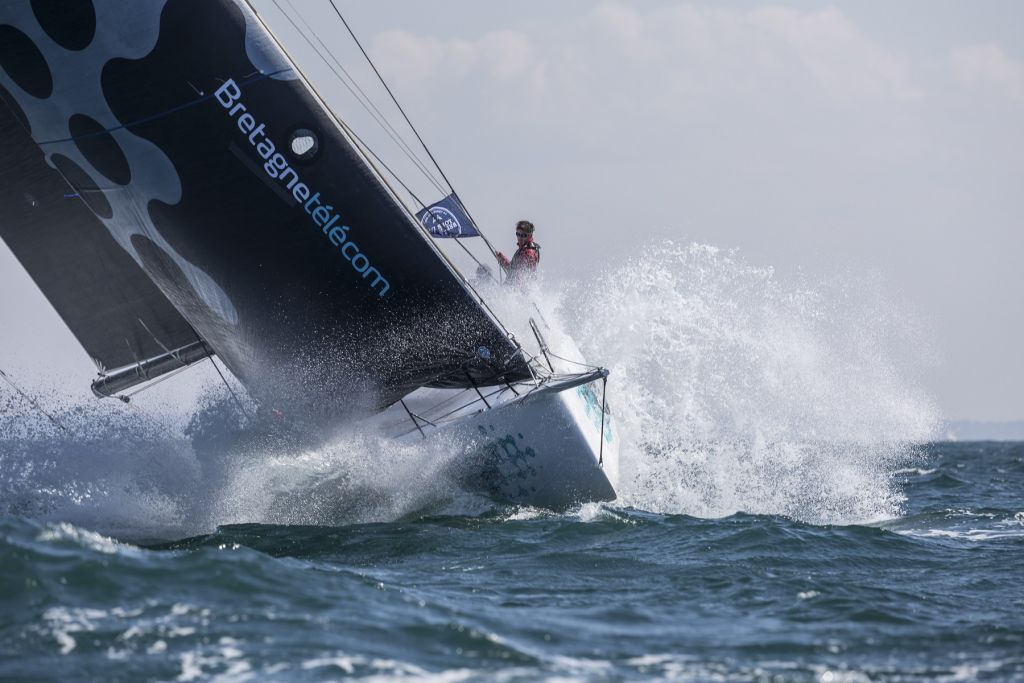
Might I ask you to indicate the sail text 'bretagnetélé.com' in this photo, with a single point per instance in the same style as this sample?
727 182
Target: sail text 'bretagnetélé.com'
229 95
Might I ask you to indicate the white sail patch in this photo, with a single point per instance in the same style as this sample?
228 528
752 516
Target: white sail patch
276 165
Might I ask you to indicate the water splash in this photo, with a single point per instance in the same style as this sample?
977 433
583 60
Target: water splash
736 392
143 478
732 391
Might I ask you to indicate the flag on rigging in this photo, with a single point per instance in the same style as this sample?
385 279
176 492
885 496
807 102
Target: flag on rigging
447 218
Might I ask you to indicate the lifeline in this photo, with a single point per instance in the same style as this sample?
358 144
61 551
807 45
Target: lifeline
276 166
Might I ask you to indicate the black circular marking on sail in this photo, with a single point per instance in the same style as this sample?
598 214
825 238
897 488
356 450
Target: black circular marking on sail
70 23
83 185
100 148
7 98
303 144
24 63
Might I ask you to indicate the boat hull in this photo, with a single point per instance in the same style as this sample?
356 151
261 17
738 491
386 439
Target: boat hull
543 449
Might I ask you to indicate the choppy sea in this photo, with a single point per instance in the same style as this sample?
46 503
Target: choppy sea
785 514
601 593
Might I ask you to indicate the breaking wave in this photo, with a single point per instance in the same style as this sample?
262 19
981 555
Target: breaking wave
732 392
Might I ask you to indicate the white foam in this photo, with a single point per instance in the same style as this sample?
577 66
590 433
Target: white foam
731 391
735 391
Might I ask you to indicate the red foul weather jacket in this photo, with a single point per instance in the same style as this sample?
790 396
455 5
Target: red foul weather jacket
523 264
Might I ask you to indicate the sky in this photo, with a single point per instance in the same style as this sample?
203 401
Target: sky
871 140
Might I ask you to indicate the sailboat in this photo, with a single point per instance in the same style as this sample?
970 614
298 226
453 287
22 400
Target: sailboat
179 191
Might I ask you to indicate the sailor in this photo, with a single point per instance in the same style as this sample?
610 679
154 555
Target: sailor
521 268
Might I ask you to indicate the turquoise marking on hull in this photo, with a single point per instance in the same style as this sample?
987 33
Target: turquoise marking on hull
593 407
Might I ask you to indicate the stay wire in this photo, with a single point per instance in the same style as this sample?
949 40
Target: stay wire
232 391
411 126
361 96
368 104
574 362
371 156
381 119
369 150
348 129
604 391
393 98
32 401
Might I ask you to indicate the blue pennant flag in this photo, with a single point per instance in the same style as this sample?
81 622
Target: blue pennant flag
447 218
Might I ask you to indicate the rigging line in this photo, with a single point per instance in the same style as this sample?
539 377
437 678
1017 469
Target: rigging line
478 261
173 354
363 149
123 398
149 384
444 402
408 121
494 252
342 80
217 368
413 418
370 153
479 393
368 103
393 98
223 379
600 451
419 201
463 407
28 398
574 362
333 116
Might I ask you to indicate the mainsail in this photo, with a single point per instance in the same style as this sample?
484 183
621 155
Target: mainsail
218 173
111 306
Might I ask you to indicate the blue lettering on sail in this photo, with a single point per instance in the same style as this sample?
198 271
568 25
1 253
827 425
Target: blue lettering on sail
276 166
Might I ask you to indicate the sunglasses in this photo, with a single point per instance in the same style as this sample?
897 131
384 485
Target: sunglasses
522 234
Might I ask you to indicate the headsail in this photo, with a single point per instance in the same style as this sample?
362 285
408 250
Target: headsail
217 169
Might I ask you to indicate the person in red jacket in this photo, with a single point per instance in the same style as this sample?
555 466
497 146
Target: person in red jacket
523 264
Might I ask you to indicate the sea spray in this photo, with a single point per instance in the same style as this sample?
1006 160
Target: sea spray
359 476
732 391
144 476
737 392
115 470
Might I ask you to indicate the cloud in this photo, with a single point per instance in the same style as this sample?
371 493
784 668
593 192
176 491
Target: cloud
841 59
503 57
664 55
988 66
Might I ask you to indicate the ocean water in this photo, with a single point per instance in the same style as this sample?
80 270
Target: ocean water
602 593
784 514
